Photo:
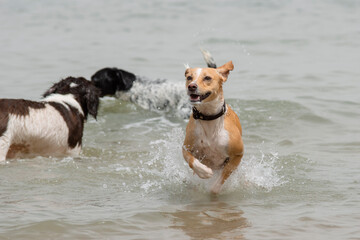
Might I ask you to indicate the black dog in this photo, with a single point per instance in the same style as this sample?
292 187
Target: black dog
111 80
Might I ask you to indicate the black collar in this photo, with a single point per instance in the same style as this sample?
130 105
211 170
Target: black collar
199 115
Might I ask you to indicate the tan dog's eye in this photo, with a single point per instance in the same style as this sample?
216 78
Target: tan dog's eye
189 78
207 78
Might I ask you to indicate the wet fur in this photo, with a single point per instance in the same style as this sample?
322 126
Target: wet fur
52 127
111 80
216 144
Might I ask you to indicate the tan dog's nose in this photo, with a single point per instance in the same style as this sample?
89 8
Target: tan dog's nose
192 87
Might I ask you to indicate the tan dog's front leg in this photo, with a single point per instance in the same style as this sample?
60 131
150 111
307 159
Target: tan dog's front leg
200 169
226 172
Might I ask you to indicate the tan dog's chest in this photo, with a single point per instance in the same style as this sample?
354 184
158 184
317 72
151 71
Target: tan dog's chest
213 135
211 143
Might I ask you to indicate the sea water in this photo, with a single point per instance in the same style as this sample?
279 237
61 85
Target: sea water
295 88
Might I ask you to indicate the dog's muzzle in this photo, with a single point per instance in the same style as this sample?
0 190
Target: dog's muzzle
194 97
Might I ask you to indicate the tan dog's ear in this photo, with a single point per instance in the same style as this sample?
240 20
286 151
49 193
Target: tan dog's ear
187 67
187 71
225 69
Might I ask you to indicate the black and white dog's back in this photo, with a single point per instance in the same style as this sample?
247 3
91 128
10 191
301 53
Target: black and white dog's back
52 127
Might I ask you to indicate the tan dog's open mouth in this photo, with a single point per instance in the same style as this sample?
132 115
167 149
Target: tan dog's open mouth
199 98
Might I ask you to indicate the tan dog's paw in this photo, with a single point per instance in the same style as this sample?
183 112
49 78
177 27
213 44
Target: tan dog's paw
201 170
216 188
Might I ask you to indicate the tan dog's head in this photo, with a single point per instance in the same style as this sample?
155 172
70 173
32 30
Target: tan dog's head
205 84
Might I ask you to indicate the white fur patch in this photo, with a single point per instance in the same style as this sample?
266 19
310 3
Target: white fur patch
186 65
5 141
43 132
198 72
73 85
212 141
201 170
63 99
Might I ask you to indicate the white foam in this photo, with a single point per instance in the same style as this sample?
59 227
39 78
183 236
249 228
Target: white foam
258 170
158 95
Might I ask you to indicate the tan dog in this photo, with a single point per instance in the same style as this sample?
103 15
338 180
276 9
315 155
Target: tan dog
213 135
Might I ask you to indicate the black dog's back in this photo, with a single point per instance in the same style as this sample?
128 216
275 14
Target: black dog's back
110 80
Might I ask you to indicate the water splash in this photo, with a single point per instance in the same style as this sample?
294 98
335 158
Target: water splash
257 170
158 95
260 169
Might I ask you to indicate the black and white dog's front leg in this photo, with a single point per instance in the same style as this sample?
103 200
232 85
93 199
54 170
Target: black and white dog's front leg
4 146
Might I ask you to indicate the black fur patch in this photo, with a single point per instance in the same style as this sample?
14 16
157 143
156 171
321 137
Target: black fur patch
19 107
83 90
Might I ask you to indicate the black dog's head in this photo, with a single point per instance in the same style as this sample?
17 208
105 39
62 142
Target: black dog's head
83 91
110 80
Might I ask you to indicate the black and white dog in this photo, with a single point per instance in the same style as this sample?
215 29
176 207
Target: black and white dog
52 127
